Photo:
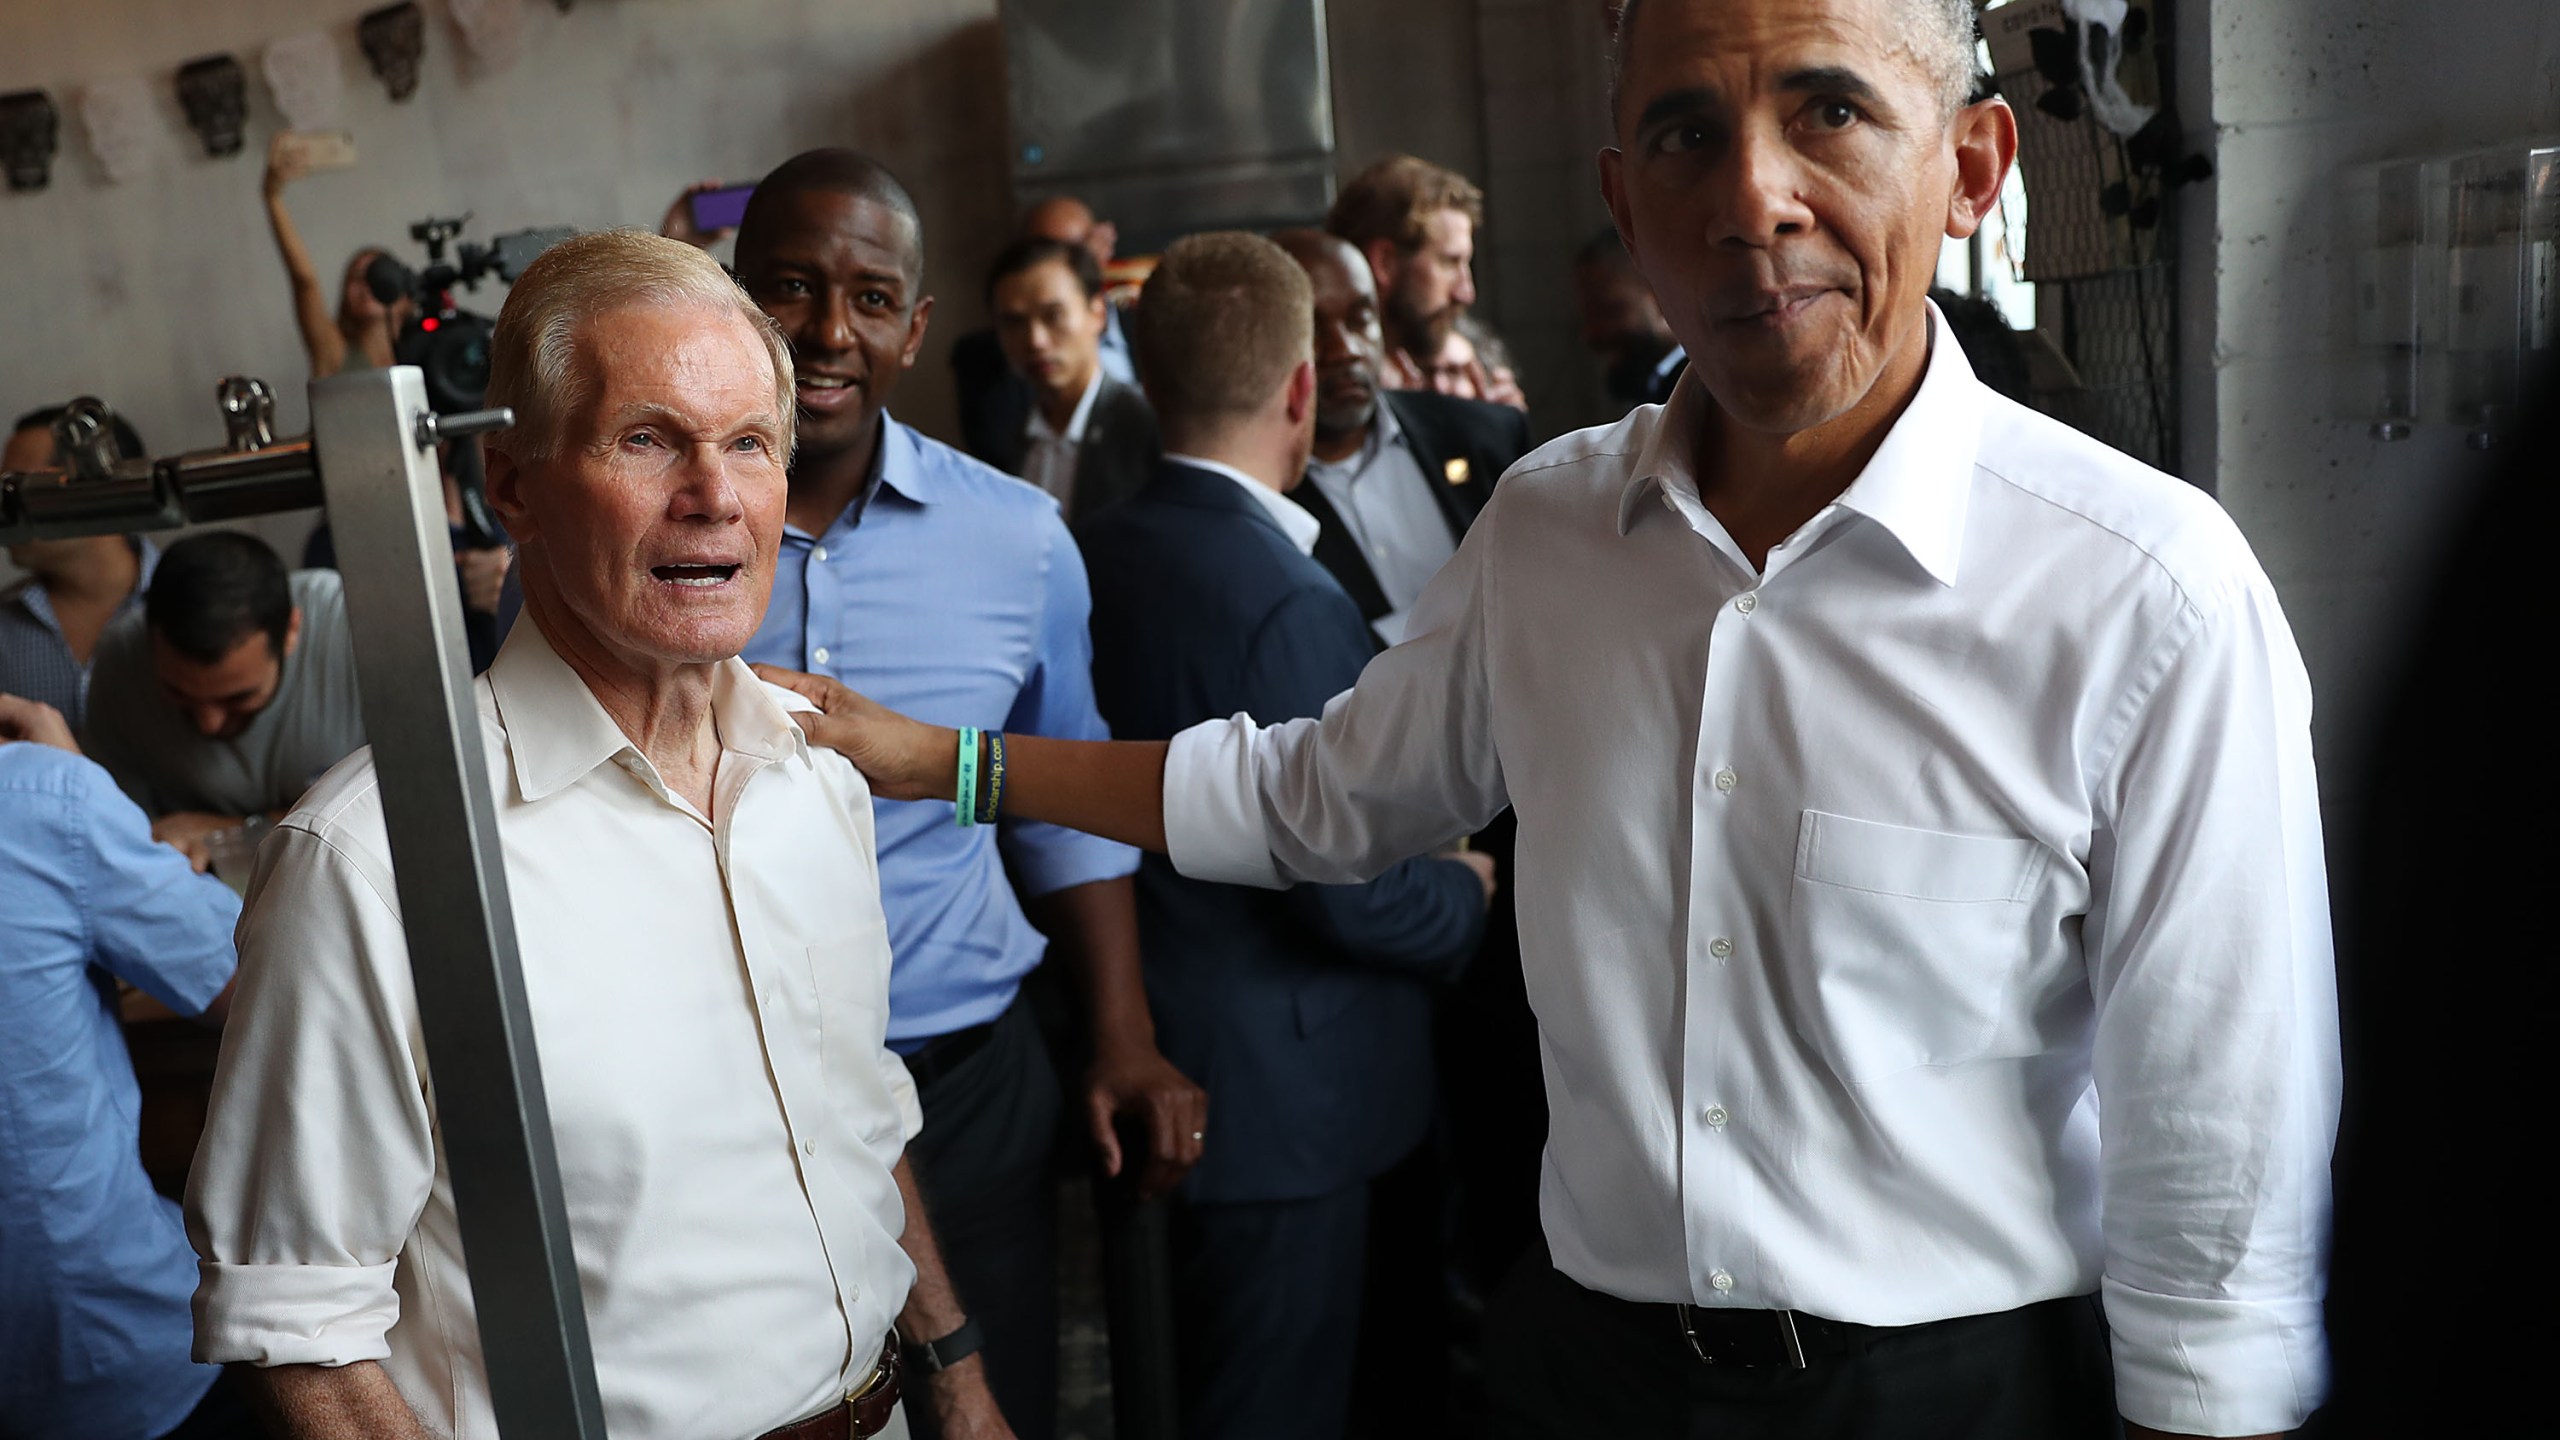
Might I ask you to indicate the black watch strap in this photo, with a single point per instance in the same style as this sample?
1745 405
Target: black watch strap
935 1356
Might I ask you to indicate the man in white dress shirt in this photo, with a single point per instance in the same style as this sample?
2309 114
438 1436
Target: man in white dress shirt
1920 873
704 952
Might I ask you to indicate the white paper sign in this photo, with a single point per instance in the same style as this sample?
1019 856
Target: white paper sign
302 72
124 125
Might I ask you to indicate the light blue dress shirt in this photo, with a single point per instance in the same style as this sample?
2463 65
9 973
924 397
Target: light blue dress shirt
95 1270
954 594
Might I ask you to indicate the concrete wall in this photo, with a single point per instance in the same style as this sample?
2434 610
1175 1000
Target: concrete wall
2347 526
148 293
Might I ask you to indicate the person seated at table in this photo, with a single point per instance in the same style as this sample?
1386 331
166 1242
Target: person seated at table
220 703
696 900
94 1268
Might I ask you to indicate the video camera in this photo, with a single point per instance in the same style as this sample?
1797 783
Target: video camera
448 344
451 344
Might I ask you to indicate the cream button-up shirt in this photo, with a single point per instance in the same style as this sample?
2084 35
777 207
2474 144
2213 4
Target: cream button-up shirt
1927 923
709 998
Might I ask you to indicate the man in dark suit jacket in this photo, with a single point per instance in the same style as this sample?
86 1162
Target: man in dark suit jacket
1307 1012
1085 437
1396 476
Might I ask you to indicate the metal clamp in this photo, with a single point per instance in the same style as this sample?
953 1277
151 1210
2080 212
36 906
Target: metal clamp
434 429
84 435
248 413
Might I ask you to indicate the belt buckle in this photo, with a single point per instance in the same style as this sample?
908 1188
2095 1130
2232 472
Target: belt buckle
884 1373
1783 1323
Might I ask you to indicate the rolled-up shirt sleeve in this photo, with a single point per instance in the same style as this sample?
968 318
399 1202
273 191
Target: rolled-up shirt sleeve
2216 1057
317 1155
1400 764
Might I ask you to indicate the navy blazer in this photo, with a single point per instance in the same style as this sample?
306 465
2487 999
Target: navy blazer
1305 1013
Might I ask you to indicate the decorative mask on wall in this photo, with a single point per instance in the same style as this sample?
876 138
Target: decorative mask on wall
215 92
394 37
492 32
124 128
302 73
30 130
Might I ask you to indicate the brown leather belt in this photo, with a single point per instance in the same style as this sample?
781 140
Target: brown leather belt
864 1411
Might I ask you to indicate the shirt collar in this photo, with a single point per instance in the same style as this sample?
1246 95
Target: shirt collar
1384 430
1075 423
1292 518
557 731
32 597
1917 486
897 465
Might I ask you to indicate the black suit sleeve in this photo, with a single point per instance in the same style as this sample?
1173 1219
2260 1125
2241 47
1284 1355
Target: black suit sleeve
1423 916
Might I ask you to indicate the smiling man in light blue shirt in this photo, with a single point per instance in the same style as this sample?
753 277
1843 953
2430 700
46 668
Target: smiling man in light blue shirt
920 575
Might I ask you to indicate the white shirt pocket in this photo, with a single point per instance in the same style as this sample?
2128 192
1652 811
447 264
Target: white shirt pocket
1906 943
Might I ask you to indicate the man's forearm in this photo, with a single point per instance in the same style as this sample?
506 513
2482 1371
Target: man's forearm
321 1402
1094 928
1110 788
958 1396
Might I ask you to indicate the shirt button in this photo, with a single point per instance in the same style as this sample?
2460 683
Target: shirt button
818 554
1721 948
819 654
1720 1280
1716 1117
1747 602
1725 779
808 1147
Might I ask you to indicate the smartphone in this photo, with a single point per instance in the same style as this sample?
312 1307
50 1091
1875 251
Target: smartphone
721 209
322 149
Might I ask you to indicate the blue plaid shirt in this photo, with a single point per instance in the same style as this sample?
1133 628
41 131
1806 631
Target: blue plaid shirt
35 661
951 591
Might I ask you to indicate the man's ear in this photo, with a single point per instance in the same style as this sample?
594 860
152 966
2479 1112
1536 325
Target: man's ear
1302 393
1986 141
1384 261
915 334
502 482
292 633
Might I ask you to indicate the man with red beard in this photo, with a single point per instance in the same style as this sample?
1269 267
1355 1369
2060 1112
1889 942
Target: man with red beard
1416 224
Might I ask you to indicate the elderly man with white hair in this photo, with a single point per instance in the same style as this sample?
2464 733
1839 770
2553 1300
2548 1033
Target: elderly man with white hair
698 909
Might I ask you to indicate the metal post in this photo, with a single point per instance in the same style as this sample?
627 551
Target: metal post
374 437
373 456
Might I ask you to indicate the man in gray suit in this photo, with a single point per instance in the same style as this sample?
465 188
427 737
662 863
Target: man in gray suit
1090 439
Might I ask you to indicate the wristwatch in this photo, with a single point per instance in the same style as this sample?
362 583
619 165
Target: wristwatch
935 1356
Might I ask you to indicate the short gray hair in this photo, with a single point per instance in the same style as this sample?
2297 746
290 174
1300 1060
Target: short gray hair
533 353
1944 34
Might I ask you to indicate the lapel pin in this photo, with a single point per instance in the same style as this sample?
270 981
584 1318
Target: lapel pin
1455 472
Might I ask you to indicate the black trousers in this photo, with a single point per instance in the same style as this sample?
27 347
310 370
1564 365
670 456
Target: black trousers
982 1161
1268 1295
1566 1364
